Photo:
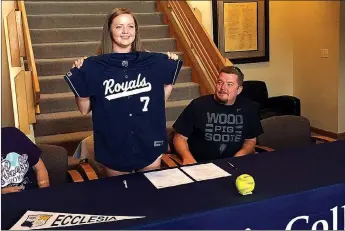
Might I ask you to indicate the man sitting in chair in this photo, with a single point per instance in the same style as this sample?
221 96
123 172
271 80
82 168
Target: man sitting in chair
21 165
220 125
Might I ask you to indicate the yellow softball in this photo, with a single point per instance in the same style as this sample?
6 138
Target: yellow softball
245 184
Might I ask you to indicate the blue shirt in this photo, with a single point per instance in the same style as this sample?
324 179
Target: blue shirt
215 130
128 106
18 156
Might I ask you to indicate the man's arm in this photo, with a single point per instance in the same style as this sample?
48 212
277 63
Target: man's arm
83 104
41 174
167 91
248 147
181 146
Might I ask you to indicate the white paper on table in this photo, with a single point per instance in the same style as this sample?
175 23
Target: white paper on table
168 178
205 171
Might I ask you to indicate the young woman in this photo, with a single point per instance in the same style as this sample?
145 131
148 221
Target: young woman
127 78
121 35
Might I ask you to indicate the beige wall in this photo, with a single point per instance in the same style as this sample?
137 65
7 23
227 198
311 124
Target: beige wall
7 118
205 8
278 72
315 78
298 31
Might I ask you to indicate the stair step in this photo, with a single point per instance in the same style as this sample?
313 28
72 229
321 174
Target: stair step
57 84
87 34
64 50
63 138
62 122
54 66
175 108
187 90
62 102
60 66
170 124
74 121
85 20
93 7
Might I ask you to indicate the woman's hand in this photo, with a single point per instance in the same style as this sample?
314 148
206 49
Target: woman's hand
172 56
11 189
78 63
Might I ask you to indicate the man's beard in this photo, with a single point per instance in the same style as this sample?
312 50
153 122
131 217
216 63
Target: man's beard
220 100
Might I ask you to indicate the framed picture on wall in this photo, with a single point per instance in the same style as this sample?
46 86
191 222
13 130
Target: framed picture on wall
241 29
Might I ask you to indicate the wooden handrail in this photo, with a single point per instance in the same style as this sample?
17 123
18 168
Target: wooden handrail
197 44
30 54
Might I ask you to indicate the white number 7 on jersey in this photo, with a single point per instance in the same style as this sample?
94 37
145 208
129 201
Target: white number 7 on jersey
145 99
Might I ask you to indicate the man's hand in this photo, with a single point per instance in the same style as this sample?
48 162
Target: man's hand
188 160
11 189
248 147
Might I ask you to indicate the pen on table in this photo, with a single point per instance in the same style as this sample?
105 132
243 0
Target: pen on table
125 182
231 165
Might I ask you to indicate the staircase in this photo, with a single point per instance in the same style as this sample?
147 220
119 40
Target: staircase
63 31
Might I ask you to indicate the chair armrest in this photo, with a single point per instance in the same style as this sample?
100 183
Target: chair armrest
75 176
285 104
168 161
87 170
175 158
73 162
323 139
259 148
83 166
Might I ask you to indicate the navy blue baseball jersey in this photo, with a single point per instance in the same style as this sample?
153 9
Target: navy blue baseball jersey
128 107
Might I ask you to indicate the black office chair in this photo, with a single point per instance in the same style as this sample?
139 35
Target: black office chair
270 106
288 131
55 159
